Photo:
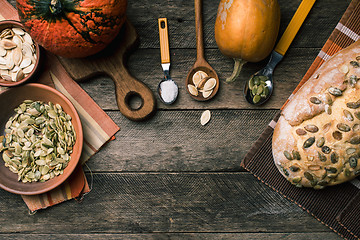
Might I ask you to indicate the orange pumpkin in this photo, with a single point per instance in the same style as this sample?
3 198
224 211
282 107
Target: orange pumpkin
246 30
72 28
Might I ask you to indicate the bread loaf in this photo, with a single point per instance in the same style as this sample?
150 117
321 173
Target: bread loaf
316 140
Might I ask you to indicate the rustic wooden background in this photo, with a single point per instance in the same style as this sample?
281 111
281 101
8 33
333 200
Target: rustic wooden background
170 177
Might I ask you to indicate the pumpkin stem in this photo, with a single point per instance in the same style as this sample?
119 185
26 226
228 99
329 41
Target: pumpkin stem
55 7
239 63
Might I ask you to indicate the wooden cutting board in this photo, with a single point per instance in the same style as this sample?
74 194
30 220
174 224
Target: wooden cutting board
111 62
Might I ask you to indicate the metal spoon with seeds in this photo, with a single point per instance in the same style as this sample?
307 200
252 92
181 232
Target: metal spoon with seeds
259 88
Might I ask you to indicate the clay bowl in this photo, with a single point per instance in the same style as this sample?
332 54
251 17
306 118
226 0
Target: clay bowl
13 97
10 24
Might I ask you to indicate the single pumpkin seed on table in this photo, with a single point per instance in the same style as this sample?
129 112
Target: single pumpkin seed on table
205 117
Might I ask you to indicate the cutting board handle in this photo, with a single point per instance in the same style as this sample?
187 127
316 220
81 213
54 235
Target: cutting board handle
125 90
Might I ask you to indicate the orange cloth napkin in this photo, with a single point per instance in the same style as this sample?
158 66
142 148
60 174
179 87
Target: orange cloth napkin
98 127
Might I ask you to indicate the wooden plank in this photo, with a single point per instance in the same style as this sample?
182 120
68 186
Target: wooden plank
164 203
145 65
190 236
144 14
176 141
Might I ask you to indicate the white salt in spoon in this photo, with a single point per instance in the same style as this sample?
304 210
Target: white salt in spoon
167 89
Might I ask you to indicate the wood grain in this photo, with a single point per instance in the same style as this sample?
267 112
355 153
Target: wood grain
190 236
111 62
286 77
171 178
176 141
181 20
165 203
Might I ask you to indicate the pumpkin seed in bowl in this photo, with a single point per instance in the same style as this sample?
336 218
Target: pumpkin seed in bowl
38 141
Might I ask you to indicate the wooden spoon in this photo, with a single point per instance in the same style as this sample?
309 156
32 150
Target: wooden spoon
201 64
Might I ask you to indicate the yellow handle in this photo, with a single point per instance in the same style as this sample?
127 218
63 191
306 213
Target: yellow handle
294 26
164 40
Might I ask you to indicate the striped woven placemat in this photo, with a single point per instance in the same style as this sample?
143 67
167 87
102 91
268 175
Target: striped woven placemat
337 207
98 127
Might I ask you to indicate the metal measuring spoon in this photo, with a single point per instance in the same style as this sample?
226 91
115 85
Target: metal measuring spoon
259 88
168 89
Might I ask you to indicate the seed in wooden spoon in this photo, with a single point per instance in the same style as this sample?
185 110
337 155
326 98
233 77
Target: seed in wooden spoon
198 76
205 117
207 94
210 84
193 90
202 82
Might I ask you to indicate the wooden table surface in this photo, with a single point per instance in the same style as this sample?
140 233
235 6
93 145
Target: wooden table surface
170 177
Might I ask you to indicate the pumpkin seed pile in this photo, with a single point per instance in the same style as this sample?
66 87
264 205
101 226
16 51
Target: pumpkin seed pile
38 141
202 83
258 87
17 54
